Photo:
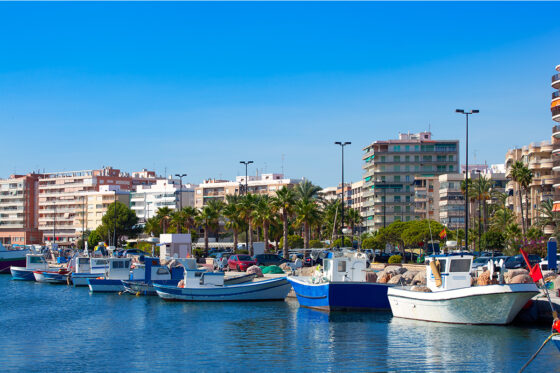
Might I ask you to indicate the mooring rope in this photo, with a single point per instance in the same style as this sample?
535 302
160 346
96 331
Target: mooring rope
536 353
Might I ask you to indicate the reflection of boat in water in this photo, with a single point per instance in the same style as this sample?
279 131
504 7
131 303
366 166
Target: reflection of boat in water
200 285
340 286
452 299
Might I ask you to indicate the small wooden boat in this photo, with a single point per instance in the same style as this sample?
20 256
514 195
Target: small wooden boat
202 286
52 277
452 299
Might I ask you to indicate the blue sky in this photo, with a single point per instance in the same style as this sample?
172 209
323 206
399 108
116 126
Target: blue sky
196 87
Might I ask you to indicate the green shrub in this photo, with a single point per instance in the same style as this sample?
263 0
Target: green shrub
347 242
294 242
198 253
393 259
315 244
242 251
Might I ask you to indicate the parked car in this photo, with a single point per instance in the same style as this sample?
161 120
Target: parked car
217 262
517 261
269 259
480 262
381 257
240 262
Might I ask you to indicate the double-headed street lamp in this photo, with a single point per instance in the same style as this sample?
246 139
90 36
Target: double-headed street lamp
342 145
467 113
247 163
180 176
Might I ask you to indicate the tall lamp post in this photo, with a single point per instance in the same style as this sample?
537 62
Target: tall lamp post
180 176
342 145
246 163
467 113
479 216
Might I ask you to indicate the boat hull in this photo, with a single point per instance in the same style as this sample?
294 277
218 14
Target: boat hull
22 274
143 288
50 277
105 286
492 304
341 296
273 289
81 279
556 340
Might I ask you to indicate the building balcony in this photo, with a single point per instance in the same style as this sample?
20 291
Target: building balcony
555 113
555 83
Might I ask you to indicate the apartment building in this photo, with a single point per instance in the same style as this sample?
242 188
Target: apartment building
218 189
61 196
538 158
148 199
555 112
18 210
329 193
89 213
451 201
391 168
426 198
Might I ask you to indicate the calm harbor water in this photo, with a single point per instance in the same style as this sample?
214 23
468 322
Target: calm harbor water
59 328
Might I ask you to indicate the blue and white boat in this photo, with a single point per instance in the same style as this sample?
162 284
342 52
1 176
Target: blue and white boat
340 286
199 285
33 262
150 272
112 282
86 268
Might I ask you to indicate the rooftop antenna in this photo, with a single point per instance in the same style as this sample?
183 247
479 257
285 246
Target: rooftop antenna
165 172
282 164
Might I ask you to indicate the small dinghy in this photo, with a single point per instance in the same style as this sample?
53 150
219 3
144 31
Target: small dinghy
52 277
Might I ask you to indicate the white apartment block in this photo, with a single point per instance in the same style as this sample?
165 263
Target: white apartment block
147 199
218 189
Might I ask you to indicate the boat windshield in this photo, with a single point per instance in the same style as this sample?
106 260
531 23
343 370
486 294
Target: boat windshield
36 259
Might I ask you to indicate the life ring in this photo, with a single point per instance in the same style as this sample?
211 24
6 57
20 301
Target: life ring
435 271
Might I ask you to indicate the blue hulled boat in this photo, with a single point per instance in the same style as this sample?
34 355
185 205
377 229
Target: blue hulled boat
341 286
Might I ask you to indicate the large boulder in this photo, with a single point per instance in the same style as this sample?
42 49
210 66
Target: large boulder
394 270
509 275
255 270
371 276
522 279
419 278
408 277
396 280
285 267
383 277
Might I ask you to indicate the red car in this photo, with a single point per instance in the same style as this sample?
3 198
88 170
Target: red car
240 262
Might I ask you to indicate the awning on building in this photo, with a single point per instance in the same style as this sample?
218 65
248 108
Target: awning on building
556 207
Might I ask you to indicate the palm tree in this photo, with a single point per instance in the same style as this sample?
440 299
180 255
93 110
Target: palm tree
153 226
306 190
331 217
522 176
549 216
501 219
163 216
284 201
354 218
231 213
482 187
217 207
246 206
189 213
208 218
307 213
263 215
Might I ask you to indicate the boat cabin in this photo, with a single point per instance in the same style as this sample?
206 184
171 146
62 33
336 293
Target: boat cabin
152 270
344 269
195 277
36 261
449 271
118 269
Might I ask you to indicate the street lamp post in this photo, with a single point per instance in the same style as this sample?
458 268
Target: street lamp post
467 113
180 176
479 216
247 163
115 223
342 145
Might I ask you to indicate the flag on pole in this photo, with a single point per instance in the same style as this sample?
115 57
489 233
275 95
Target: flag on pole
535 271
443 234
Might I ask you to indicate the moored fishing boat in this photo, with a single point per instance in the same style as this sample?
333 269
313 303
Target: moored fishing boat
117 271
450 298
203 286
53 277
86 268
150 272
341 285
33 262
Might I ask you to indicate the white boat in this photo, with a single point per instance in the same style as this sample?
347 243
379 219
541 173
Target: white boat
117 271
452 299
200 285
10 258
86 268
